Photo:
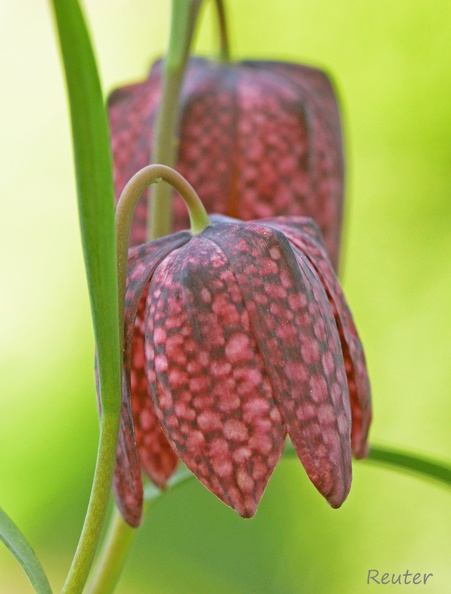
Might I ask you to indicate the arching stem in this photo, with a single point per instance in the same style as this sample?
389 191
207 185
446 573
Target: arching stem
126 207
120 535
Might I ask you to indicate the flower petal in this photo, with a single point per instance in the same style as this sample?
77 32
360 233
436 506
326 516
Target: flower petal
142 262
324 201
207 376
127 482
304 234
157 457
297 337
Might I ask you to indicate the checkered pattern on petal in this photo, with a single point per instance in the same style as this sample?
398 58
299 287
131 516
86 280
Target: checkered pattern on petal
257 139
305 236
296 334
156 455
209 383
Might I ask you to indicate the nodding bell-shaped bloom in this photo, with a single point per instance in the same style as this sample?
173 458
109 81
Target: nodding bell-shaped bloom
257 139
235 338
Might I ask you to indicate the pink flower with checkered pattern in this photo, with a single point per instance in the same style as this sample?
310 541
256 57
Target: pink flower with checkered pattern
235 338
257 139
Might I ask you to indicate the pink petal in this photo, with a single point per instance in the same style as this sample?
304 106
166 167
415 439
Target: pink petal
325 147
127 477
208 379
127 482
303 233
297 337
157 457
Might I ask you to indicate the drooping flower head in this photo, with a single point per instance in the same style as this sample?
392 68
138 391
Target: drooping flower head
235 338
257 139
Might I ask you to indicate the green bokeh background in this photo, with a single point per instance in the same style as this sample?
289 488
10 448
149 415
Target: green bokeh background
391 63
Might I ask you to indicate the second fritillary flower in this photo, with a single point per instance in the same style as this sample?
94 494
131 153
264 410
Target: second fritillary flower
257 139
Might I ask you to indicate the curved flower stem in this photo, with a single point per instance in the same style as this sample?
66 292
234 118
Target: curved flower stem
184 15
224 45
120 535
126 206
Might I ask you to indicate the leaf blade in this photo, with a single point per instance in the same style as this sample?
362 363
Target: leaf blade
18 545
94 174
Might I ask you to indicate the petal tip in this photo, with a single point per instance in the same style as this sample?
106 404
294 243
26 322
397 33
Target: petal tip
132 514
337 498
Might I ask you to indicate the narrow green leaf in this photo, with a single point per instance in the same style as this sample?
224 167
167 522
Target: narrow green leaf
22 551
94 174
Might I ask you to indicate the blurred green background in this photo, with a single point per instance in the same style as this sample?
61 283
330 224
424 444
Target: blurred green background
391 63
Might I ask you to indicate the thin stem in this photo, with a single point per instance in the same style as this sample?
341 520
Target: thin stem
95 516
411 463
127 202
152 494
224 45
115 549
120 538
408 462
184 15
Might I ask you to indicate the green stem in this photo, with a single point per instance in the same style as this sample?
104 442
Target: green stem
224 45
120 537
130 196
184 15
115 549
411 463
152 494
95 515
94 175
